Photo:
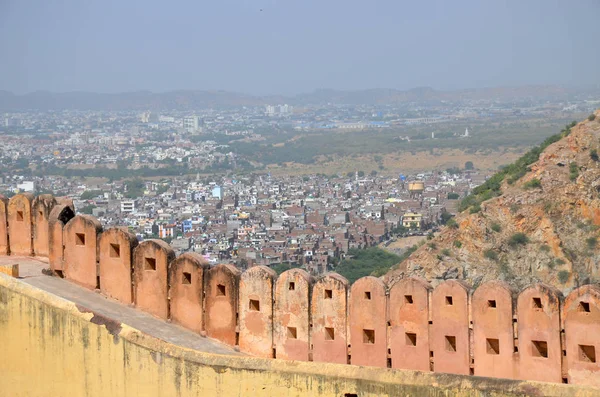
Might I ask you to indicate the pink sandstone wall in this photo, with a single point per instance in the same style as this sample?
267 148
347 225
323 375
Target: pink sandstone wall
61 214
116 256
450 329
221 303
80 238
151 260
493 341
19 224
444 329
409 324
368 327
256 311
538 324
4 249
582 329
329 336
41 208
186 291
292 323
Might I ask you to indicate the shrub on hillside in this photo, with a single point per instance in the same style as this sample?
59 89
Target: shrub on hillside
532 184
592 117
591 242
518 239
594 154
573 171
490 254
563 276
452 223
496 227
475 209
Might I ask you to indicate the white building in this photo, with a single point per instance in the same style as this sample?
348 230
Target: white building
127 206
26 186
192 124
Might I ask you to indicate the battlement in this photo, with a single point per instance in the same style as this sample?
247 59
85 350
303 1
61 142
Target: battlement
493 331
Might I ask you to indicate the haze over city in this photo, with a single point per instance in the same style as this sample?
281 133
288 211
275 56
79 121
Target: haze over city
300 198
288 47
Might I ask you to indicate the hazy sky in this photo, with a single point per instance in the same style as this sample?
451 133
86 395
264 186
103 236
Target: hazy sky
295 46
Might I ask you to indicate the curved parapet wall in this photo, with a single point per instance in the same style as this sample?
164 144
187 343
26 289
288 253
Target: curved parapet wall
491 331
116 247
60 215
19 224
41 209
3 225
329 319
186 291
151 261
108 358
80 239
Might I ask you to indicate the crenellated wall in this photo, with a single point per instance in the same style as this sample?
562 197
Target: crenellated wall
493 331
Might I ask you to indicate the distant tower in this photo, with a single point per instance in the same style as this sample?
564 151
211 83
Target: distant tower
466 132
356 176
432 135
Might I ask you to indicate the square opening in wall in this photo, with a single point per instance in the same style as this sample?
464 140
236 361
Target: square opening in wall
411 339
150 264
587 353
220 290
408 299
367 295
369 336
115 251
254 305
186 278
449 301
450 343
328 294
583 307
79 238
492 346
292 333
292 286
329 333
492 304
537 303
20 217
539 348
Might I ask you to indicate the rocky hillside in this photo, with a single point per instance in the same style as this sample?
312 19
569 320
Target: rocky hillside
537 220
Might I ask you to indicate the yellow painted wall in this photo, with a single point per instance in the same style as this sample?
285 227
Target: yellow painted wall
50 348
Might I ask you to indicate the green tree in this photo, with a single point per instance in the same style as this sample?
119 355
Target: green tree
88 209
469 166
90 194
363 262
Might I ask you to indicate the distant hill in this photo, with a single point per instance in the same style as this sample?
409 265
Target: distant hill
537 220
189 99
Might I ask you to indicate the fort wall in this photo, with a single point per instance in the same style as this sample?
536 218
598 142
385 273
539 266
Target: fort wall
490 331
102 357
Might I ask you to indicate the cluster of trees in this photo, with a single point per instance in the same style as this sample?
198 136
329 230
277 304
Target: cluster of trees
364 262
